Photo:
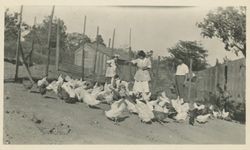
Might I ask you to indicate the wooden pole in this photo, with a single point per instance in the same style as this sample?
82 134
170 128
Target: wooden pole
48 42
94 70
18 42
157 74
130 56
33 42
25 64
113 41
83 51
190 77
109 42
58 44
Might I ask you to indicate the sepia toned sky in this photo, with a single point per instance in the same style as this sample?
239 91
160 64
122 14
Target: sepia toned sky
153 28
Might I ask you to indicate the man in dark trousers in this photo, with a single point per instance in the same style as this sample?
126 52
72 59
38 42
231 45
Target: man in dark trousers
181 74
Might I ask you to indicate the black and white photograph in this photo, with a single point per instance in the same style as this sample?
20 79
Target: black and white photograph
124 75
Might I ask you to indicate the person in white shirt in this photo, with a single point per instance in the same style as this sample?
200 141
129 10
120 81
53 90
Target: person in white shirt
111 69
181 79
142 76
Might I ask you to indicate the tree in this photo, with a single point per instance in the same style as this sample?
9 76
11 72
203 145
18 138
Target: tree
11 32
229 25
100 40
41 36
187 50
75 40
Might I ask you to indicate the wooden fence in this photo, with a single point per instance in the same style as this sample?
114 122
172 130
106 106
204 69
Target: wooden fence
230 76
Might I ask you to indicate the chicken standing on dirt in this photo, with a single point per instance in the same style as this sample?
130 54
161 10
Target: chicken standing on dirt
116 110
42 84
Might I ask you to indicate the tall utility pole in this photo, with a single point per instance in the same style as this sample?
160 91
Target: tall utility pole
109 42
58 44
97 33
113 41
130 55
18 42
83 51
33 42
190 77
48 42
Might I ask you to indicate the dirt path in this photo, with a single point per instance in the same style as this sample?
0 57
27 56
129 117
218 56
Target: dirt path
30 118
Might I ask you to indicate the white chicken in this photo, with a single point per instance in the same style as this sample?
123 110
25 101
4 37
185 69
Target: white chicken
88 98
163 99
131 107
216 114
203 118
146 97
55 84
200 107
68 88
68 78
181 109
43 81
96 90
144 112
116 110
224 114
152 104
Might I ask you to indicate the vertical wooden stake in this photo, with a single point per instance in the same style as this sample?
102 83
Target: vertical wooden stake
83 50
18 42
113 41
33 42
157 73
48 42
130 57
94 70
109 42
58 44
189 81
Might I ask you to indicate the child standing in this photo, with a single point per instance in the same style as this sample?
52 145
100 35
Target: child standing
111 69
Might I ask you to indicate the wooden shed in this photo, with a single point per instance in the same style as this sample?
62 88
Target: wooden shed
103 54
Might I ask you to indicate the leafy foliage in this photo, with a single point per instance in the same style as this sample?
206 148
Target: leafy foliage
100 40
187 50
11 32
41 36
227 24
75 40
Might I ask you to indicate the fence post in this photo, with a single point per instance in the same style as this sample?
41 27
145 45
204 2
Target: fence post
49 36
190 77
57 44
18 42
130 57
157 73
109 42
32 44
113 40
95 57
83 50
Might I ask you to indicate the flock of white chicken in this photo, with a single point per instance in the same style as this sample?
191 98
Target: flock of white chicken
122 99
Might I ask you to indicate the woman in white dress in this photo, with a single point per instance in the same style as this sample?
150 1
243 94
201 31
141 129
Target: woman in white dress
111 69
142 76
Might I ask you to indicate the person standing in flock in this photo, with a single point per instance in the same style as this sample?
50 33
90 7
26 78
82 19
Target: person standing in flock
142 76
111 69
181 76
150 57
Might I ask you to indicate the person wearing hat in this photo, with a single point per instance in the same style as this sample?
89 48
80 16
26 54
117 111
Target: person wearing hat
142 76
111 69
181 75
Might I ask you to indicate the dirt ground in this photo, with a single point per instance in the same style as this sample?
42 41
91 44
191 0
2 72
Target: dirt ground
30 118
